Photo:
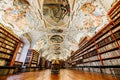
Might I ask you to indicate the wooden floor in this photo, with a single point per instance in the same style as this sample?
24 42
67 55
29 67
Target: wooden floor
63 75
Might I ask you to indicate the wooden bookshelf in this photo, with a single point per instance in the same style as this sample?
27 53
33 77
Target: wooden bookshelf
114 13
31 61
32 58
101 53
9 46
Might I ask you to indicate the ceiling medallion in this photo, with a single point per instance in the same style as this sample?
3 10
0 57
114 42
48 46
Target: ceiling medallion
57 47
56 30
56 12
56 39
88 8
57 53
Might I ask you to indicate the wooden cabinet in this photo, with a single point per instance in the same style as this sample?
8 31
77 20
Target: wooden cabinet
101 53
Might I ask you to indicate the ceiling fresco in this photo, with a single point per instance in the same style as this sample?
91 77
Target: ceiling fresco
56 12
55 27
56 39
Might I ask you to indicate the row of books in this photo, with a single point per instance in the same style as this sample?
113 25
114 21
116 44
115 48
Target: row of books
11 40
95 70
110 62
6 50
2 31
116 28
111 54
91 59
4 71
106 40
35 59
85 69
6 38
6 56
0 43
107 47
11 71
117 34
9 43
114 71
80 65
97 63
104 36
33 65
90 54
105 62
7 46
115 11
80 58
34 62
106 70
116 16
117 21
1 39
3 62
88 48
18 64
2 35
118 42
93 48
14 39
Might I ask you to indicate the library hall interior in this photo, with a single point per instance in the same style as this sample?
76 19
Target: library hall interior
59 39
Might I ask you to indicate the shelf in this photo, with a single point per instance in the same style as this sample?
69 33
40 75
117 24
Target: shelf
111 58
114 8
106 43
109 37
87 48
6 53
103 49
9 45
5 59
92 61
115 48
4 39
7 48
31 58
110 66
102 32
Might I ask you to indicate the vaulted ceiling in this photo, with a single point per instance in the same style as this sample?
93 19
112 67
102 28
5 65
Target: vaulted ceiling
55 26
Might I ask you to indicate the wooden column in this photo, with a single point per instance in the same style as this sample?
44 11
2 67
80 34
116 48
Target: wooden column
15 54
98 53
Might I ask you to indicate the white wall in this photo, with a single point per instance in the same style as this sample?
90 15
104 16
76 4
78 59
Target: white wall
25 49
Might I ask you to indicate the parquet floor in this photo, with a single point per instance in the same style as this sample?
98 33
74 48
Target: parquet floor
63 75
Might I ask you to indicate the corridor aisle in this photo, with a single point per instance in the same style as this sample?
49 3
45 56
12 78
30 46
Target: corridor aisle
63 75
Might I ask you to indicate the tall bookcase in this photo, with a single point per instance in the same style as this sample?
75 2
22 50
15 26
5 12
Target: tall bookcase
9 45
31 61
101 53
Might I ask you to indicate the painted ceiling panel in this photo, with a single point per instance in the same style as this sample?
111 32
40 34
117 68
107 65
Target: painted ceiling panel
37 19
